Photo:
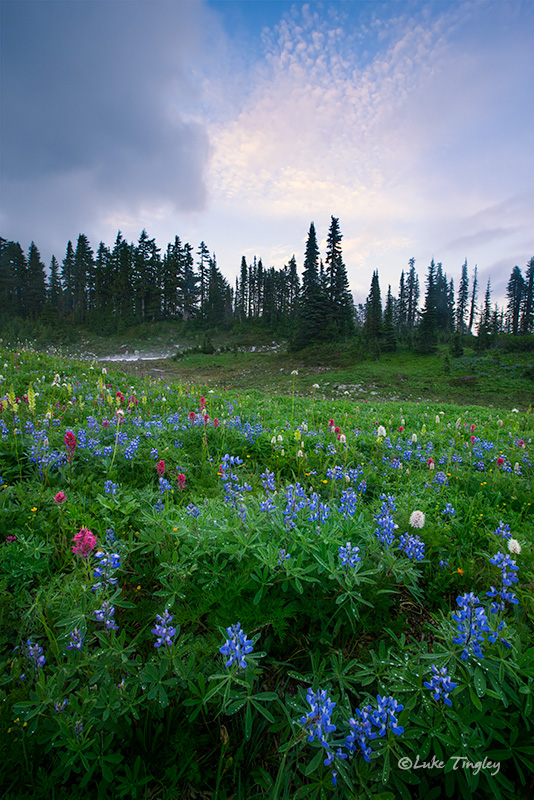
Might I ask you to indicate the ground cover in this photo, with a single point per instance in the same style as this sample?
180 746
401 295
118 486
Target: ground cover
210 592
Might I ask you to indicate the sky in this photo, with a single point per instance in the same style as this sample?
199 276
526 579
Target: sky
239 122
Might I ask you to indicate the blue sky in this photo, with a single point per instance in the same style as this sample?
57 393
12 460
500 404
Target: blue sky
240 122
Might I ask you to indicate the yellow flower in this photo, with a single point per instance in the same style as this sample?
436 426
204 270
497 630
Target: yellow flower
34 508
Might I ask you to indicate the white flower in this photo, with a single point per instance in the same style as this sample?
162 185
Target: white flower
417 519
342 438
315 386
500 423
280 438
514 546
273 440
515 411
438 419
300 454
294 372
104 371
414 437
380 431
517 468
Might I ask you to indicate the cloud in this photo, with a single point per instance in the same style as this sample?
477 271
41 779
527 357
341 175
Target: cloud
101 112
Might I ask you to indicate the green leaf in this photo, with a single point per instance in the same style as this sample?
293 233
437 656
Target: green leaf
314 763
479 679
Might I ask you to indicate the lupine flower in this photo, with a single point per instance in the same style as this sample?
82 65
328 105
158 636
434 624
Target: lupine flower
237 646
110 487
364 718
60 706
84 543
412 546
330 757
105 614
78 728
60 498
449 510
508 567
283 556
472 625
160 467
107 566
163 629
317 720
441 684
192 510
76 640
35 652
503 530
386 526
349 555
417 519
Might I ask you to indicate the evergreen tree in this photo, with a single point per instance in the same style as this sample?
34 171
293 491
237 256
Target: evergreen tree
373 310
67 280
473 307
450 306
527 309
203 276
310 325
484 323
35 295
190 288
340 302
427 337
83 278
402 305
461 302
412 291
13 279
442 299
514 293
389 339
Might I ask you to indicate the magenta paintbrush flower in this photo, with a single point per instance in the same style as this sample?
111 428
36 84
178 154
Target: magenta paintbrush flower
84 543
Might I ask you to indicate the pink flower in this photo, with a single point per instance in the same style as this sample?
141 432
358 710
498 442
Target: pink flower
181 480
500 461
160 466
70 444
119 396
60 498
105 423
11 538
192 416
84 543
215 422
202 403
472 428
472 439
430 463
401 428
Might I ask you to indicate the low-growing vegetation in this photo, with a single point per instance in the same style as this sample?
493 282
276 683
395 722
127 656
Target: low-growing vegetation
215 593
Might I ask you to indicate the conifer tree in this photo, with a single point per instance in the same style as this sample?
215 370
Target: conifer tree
340 302
527 308
310 327
461 302
514 293
67 280
427 338
473 306
373 310
389 339
402 305
35 295
412 291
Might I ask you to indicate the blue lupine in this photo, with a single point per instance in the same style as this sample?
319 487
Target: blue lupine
192 510
237 646
283 556
505 562
76 640
384 717
503 530
472 625
386 526
268 481
348 503
330 758
349 555
449 510
60 706
35 652
163 630
110 487
441 684
413 546
317 720
105 614
108 563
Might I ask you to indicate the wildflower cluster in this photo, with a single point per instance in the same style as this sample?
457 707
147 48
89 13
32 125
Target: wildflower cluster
413 546
508 567
386 526
317 720
237 646
349 555
163 630
105 614
472 625
84 543
384 717
441 685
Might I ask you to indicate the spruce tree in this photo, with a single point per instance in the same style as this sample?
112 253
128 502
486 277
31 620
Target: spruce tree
514 293
310 325
427 336
373 310
340 302
461 302
35 295
389 339
527 308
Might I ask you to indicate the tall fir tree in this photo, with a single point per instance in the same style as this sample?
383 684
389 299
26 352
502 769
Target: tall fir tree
373 310
514 293
427 335
310 327
527 307
473 304
35 295
340 303
461 301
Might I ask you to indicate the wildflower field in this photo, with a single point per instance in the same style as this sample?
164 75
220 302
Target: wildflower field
221 594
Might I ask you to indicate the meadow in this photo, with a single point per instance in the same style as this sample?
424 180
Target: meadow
281 585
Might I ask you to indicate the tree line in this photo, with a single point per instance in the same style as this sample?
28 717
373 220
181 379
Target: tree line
114 288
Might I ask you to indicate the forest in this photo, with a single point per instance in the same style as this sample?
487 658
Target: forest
128 284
